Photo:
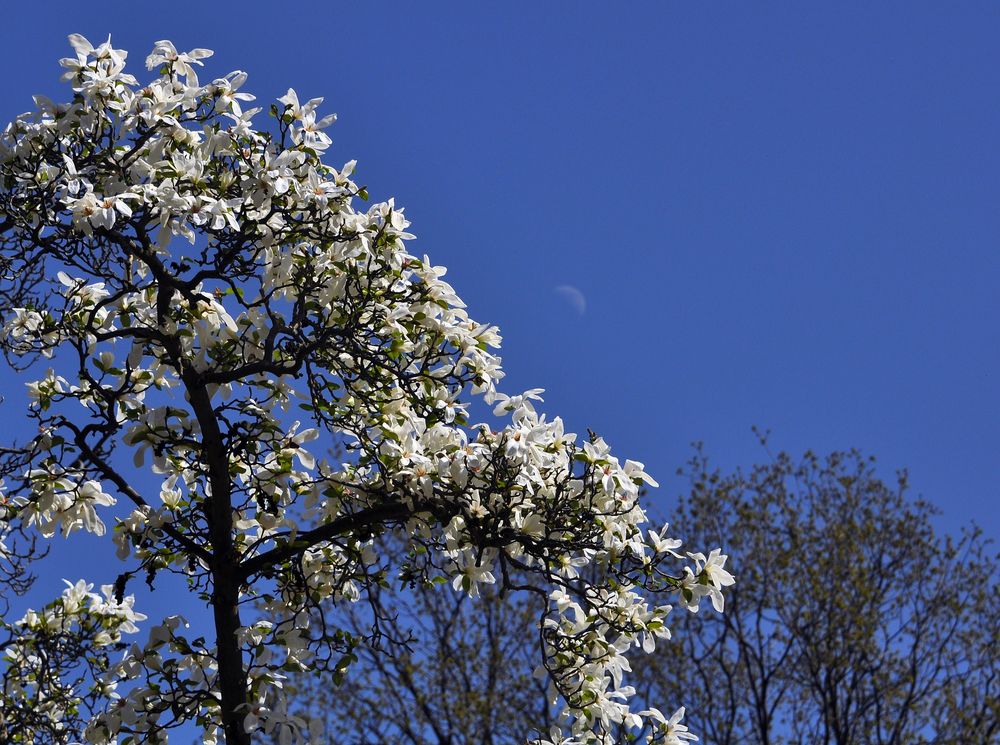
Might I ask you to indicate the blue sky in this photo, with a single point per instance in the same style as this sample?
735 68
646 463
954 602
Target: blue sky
779 214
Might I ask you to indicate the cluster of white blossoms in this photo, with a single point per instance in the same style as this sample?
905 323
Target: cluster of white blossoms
210 279
56 658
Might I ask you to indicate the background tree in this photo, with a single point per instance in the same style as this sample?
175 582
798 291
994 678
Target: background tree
854 622
463 675
192 282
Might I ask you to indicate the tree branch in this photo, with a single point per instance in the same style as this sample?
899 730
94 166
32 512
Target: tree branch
344 524
125 488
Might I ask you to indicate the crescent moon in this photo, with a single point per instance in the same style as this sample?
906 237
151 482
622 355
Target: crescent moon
574 297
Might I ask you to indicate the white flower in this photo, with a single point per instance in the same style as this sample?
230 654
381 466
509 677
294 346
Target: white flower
226 95
295 446
520 402
472 574
669 731
310 131
24 323
319 190
115 58
104 52
95 211
81 513
663 545
713 568
157 102
295 110
41 391
165 53
636 472
708 578
80 292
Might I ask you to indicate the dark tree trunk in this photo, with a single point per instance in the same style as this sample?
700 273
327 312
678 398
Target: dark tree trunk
232 673
226 574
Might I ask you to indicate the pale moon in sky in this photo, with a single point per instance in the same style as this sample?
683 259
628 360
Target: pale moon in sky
574 297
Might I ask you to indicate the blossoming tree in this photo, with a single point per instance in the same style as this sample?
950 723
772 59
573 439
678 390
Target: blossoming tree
193 284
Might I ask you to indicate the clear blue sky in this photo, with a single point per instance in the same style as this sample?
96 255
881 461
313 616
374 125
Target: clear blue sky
782 214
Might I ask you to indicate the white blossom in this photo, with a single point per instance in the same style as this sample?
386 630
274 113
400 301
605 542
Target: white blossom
204 279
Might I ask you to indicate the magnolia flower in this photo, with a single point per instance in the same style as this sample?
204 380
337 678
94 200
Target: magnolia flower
471 575
663 545
94 211
104 82
25 322
712 568
669 731
596 450
157 102
40 391
569 565
225 92
72 182
310 131
123 611
82 513
214 213
319 190
635 471
558 737
521 401
76 594
280 174
295 446
242 125
708 578
165 53
295 110
82 293
84 49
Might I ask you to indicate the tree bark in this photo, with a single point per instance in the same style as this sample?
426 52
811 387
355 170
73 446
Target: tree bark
232 673
226 577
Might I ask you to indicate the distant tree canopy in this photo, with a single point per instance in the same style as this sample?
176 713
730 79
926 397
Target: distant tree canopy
462 673
854 623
